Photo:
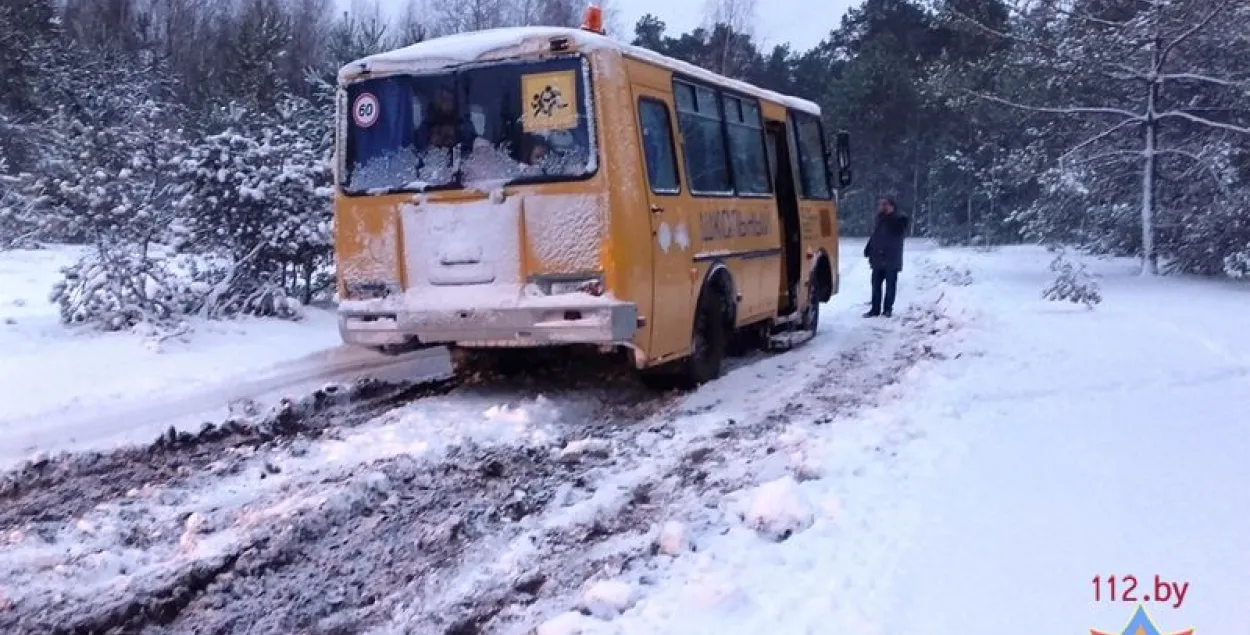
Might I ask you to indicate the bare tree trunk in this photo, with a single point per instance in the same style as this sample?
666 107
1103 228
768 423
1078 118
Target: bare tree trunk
915 189
738 16
1150 263
993 218
971 225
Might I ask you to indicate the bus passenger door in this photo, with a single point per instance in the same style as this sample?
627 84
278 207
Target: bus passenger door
671 249
788 209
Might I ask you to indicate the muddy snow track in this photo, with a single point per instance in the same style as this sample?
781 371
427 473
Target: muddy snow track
65 486
484 536
325 565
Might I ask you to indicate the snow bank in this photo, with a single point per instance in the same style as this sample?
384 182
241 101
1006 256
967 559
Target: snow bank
917 501
672 539
260 496
66 389
777 510
569 623
606 599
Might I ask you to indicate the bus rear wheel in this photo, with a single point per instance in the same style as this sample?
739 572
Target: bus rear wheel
708 343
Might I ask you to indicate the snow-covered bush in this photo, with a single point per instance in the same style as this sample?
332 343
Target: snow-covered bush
22 222
960 277
114 287
257 196
1237 264
18 219
118 190
1072 283
113 187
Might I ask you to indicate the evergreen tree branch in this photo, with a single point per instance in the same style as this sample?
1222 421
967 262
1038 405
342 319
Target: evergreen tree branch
1100 136
1123 71
1198 160
1198 77
1181 114
1079 15
1100 156
1190 32
1069 110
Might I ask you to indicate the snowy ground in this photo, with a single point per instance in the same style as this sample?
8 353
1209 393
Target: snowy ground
62 389
1047 445
968 466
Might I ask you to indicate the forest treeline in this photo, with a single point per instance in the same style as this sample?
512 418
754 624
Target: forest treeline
188 141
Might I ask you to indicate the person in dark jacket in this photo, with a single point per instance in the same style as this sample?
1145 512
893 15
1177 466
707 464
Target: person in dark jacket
884 252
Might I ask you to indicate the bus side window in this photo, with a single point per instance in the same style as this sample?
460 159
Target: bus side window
704 148
657 145
812 165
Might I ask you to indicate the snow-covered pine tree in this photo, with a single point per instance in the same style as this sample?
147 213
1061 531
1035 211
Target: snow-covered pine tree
19 217
256 210
111 184
1147 98
123 209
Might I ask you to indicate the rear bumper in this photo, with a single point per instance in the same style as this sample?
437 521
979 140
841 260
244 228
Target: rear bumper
520 326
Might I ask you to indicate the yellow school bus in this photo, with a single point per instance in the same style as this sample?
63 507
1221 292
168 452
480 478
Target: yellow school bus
530 187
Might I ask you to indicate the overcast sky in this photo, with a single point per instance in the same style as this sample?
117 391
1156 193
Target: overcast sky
802 23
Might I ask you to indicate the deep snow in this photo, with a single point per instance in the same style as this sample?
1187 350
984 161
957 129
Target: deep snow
1048 444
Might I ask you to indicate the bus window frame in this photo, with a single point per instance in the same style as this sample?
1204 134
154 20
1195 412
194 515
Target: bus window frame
685 156
795 118
672 146
721 92
595 129
763 138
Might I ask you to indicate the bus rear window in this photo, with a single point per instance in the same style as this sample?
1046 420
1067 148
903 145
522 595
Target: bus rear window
491 125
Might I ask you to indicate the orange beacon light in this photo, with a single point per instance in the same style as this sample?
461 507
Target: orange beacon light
593 19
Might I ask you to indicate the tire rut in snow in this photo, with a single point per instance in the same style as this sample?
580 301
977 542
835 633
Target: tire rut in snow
619 541
339 566
391 537
330 568
62 487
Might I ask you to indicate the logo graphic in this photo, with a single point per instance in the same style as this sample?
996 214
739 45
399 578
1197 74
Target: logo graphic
548 101
1140 625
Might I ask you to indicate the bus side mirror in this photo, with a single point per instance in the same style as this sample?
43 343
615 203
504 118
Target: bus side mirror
842 150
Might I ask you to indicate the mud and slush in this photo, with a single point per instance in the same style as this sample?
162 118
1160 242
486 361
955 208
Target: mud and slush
484 538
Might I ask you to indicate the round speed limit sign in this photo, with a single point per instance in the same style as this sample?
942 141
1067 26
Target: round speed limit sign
365 110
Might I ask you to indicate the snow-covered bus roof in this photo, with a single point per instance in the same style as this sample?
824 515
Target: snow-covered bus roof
477 46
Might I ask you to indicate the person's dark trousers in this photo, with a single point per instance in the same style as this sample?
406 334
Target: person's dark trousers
889 279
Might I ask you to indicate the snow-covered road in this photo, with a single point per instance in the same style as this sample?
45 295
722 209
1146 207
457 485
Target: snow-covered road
487 506
969 466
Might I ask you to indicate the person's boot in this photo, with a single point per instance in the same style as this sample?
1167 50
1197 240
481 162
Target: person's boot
888 313
873 313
